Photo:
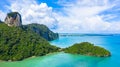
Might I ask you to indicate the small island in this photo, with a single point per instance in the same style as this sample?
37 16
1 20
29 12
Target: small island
86 48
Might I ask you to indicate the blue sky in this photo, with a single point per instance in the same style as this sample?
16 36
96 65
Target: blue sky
52 3
68 16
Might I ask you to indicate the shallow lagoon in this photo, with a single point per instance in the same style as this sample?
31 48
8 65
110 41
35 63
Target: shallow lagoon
112 43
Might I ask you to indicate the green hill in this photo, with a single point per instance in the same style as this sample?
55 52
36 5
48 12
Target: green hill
42 30
86 48
16 43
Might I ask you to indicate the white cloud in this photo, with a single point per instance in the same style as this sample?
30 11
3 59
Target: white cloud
32 12
80 16
83 17
2 15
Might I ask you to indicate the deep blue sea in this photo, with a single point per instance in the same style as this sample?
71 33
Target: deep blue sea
61 59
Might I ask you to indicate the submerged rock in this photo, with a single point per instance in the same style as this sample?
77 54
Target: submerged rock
13 19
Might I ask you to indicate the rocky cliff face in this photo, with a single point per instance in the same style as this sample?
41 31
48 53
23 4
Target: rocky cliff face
42 30
13 19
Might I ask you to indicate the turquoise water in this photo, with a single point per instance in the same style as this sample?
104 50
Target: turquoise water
61 59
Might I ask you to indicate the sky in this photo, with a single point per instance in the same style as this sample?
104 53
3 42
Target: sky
67 16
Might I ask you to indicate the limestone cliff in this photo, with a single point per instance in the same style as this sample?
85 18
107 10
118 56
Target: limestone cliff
13 19
42 30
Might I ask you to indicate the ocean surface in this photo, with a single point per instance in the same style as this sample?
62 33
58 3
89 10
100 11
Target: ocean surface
61 59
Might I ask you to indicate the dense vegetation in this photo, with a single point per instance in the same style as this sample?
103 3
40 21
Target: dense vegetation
42 30
17 43
86 48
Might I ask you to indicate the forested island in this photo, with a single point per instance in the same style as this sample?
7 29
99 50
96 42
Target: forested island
18 41
86 48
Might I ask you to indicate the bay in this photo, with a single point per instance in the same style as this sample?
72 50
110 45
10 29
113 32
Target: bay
61 59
